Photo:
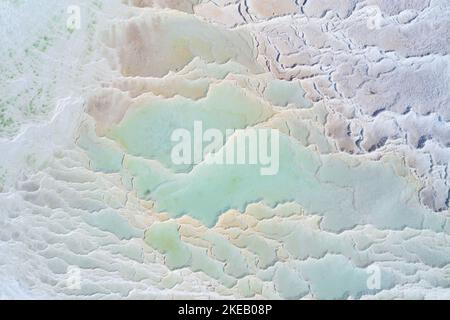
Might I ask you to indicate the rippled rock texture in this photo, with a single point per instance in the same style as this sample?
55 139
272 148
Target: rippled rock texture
93 206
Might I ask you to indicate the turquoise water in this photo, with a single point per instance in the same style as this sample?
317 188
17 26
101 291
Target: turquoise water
146 131
325 185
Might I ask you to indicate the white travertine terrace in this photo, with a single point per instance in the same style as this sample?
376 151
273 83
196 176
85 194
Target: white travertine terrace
87 182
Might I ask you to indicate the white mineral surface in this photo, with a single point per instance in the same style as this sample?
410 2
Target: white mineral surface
91 205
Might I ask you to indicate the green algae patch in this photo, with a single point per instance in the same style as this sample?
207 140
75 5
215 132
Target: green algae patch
165 238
